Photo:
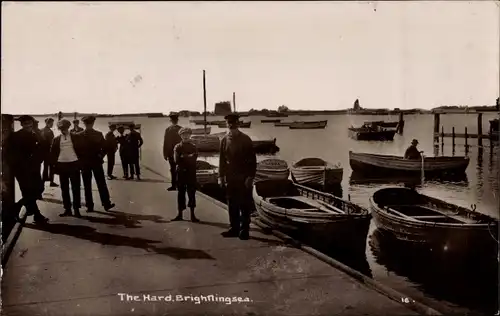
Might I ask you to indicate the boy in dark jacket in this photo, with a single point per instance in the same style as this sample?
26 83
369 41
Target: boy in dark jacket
185 155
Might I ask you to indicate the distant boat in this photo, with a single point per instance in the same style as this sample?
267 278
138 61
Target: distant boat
270 121
494 129
414 217
312 215
201 130
241 125
371 131
272 169
383 124
387 164
206 143
316 172
283 124
206 174
276 114
308 125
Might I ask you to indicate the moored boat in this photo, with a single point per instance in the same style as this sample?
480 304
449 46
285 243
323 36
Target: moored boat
270 120
308 125
265 146
316 172
414 217
286 124
201 130
206 174
206 143
272 169
241 125
372 131
383 124
311 215
388 164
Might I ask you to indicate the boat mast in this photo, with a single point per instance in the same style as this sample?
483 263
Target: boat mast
204 106
234 102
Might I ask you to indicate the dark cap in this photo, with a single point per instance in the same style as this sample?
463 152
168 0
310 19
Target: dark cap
26 118
88 119
414 141
173 115
63 124
49 119
232 117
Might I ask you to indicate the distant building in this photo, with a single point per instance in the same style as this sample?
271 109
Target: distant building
356 106
222 108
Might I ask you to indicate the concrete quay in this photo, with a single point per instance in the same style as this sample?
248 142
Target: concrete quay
88 266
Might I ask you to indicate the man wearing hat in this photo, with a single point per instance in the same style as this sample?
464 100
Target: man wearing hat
185 155
93 152
170 139
76 127
65 155
48 137
412 151
237 167
111 148
122 139
134 142
24 155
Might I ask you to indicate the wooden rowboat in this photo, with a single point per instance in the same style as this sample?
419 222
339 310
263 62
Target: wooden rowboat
272 169
206 143
316 172
241 125
371 132
414 217
206 174
201 130
270 121
308 125
311 215
286 124
387 164
383 124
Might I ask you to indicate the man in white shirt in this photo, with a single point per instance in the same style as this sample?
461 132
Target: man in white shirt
65 154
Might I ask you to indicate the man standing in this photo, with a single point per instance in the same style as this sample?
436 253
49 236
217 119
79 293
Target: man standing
65 153
76 127
124 151
93 152
24 155
48 137
111 147
134 142
237 167
171 139
412 151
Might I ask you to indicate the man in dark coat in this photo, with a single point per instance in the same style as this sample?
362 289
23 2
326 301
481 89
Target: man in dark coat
134 142
65 154
170 139
93 152
24 155
185 155
111 148
76 127
48 137
412 151
124 151
237 167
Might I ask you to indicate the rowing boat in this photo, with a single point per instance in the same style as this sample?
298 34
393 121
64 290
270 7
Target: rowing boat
270 121
387 164
308 125
241 124
418 218
286 124
311 215
206 143
201 130
372 131
272 169
316 172
206 174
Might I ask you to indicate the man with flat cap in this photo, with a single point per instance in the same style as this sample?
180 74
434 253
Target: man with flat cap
170 139
48 137
237 167
412 151
134 144
24 155
76 127
111 148
122 139
93 152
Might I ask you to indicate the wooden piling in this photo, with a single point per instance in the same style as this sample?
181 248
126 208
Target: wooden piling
466 137
453 137
442 135
401 123
8 180
480 129
204 105
234 102
436 127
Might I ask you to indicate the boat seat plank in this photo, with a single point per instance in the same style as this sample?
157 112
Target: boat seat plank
444 213
429 216
315 206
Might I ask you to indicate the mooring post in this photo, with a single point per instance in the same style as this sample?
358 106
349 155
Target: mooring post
8 181
436 128
480 129
401 123
442 135
453 137
466 137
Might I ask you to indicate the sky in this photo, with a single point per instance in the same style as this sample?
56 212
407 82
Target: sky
130 57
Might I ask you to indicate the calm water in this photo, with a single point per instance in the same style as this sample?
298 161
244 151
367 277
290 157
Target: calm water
461 288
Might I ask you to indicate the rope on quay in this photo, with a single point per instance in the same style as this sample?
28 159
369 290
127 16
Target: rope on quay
371 283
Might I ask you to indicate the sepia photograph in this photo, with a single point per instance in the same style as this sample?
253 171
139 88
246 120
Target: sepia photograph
250 158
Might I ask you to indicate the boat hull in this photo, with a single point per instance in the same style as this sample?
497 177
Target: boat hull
282 124
206 143
385 135
317 176
386 164
272 169
308 125
201 131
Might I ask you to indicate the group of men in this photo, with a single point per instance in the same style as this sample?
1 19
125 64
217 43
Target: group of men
237 167
129 149
71 155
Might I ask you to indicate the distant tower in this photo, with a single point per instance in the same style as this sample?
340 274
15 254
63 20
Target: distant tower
59 116
356 106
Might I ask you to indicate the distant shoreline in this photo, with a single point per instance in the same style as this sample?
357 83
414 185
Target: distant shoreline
185 113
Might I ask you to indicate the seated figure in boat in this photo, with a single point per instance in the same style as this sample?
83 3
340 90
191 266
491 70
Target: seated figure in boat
412 151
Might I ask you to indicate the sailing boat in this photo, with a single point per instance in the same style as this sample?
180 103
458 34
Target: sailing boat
206 142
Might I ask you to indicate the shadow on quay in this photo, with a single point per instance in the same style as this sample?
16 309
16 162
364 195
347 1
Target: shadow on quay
90 234
142 180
